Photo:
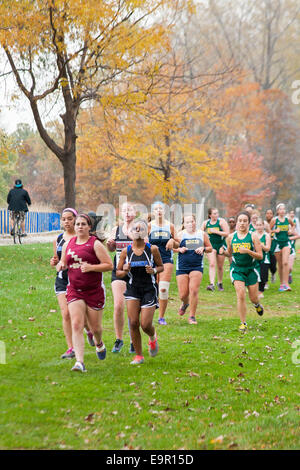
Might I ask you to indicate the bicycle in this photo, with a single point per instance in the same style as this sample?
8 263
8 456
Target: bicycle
16 231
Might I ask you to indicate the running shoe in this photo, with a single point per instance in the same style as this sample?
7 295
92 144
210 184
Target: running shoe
101 352
192 321
260 295
131 349
266 286
220 287
182 309
273 278
153 347
283 288
117 346
243 327
290 278
69 354
79 367
162 321
138 360
287 287
210 287
90 338
259 309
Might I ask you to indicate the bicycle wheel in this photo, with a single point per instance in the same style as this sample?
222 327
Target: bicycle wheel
14 231
19 231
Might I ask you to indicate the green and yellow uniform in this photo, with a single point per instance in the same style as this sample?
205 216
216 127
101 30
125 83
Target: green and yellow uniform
293 242
243 267
251 228
281 238
266 255
217 241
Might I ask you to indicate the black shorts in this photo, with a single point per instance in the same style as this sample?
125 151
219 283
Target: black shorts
146 295
60 286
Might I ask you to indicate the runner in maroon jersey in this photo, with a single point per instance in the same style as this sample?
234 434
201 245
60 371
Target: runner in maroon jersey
86 259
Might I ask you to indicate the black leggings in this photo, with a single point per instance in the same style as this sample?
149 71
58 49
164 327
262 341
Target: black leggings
264 268
273 263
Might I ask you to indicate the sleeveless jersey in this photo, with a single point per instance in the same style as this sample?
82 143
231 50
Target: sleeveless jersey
266 255
251 228
59 244
282 236
138 276
190 259
75 256
242 260
160 236
122 241
213 237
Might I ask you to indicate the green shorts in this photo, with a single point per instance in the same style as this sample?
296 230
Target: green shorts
273 246
249 276
217 246
281 244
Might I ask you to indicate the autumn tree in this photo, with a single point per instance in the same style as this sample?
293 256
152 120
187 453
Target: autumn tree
8 160
64 54
248 182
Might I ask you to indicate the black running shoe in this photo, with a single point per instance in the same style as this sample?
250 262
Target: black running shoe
117 346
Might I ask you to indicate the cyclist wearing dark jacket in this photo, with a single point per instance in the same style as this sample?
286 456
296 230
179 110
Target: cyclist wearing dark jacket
17 200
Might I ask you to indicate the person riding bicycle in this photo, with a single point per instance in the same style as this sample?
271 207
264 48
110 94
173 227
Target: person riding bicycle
17 200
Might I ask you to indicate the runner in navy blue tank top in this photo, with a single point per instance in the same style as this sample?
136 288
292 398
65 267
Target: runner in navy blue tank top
117 241
162 234
137 263
189 269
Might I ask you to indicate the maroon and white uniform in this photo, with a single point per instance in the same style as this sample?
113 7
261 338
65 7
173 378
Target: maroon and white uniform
86 286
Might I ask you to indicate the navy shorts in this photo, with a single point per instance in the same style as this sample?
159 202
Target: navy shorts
188 271
146 295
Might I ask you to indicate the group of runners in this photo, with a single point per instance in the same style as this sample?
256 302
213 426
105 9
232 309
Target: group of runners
143 265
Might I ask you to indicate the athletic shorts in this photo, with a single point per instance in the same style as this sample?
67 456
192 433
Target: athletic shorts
146 296
188 271
217 246
60 286
249 276
166 259
279 245
95 298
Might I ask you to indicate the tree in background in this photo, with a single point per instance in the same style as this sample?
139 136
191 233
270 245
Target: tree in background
248 182
65 54
8 159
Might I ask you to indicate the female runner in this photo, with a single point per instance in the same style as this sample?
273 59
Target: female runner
217 229
137 265
269 216
264 264
118 240
293 236
162 234
245 249
86 259
280 226
189 268
68 218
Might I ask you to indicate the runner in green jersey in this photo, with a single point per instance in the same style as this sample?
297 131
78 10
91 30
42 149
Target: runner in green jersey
280 226
217 230
293 236
245 249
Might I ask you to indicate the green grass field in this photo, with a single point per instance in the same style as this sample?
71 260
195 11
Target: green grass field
210 387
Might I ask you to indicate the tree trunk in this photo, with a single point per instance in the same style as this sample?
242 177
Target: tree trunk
69 166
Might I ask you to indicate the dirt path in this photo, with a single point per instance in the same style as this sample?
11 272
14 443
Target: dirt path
31 238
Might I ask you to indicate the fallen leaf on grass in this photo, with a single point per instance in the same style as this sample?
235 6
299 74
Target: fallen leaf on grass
23 337
217 440
53 311
31 318
193 374
40 333
89 417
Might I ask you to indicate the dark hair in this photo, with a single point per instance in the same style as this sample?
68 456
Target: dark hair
232 217
209 212
86 217
244 213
